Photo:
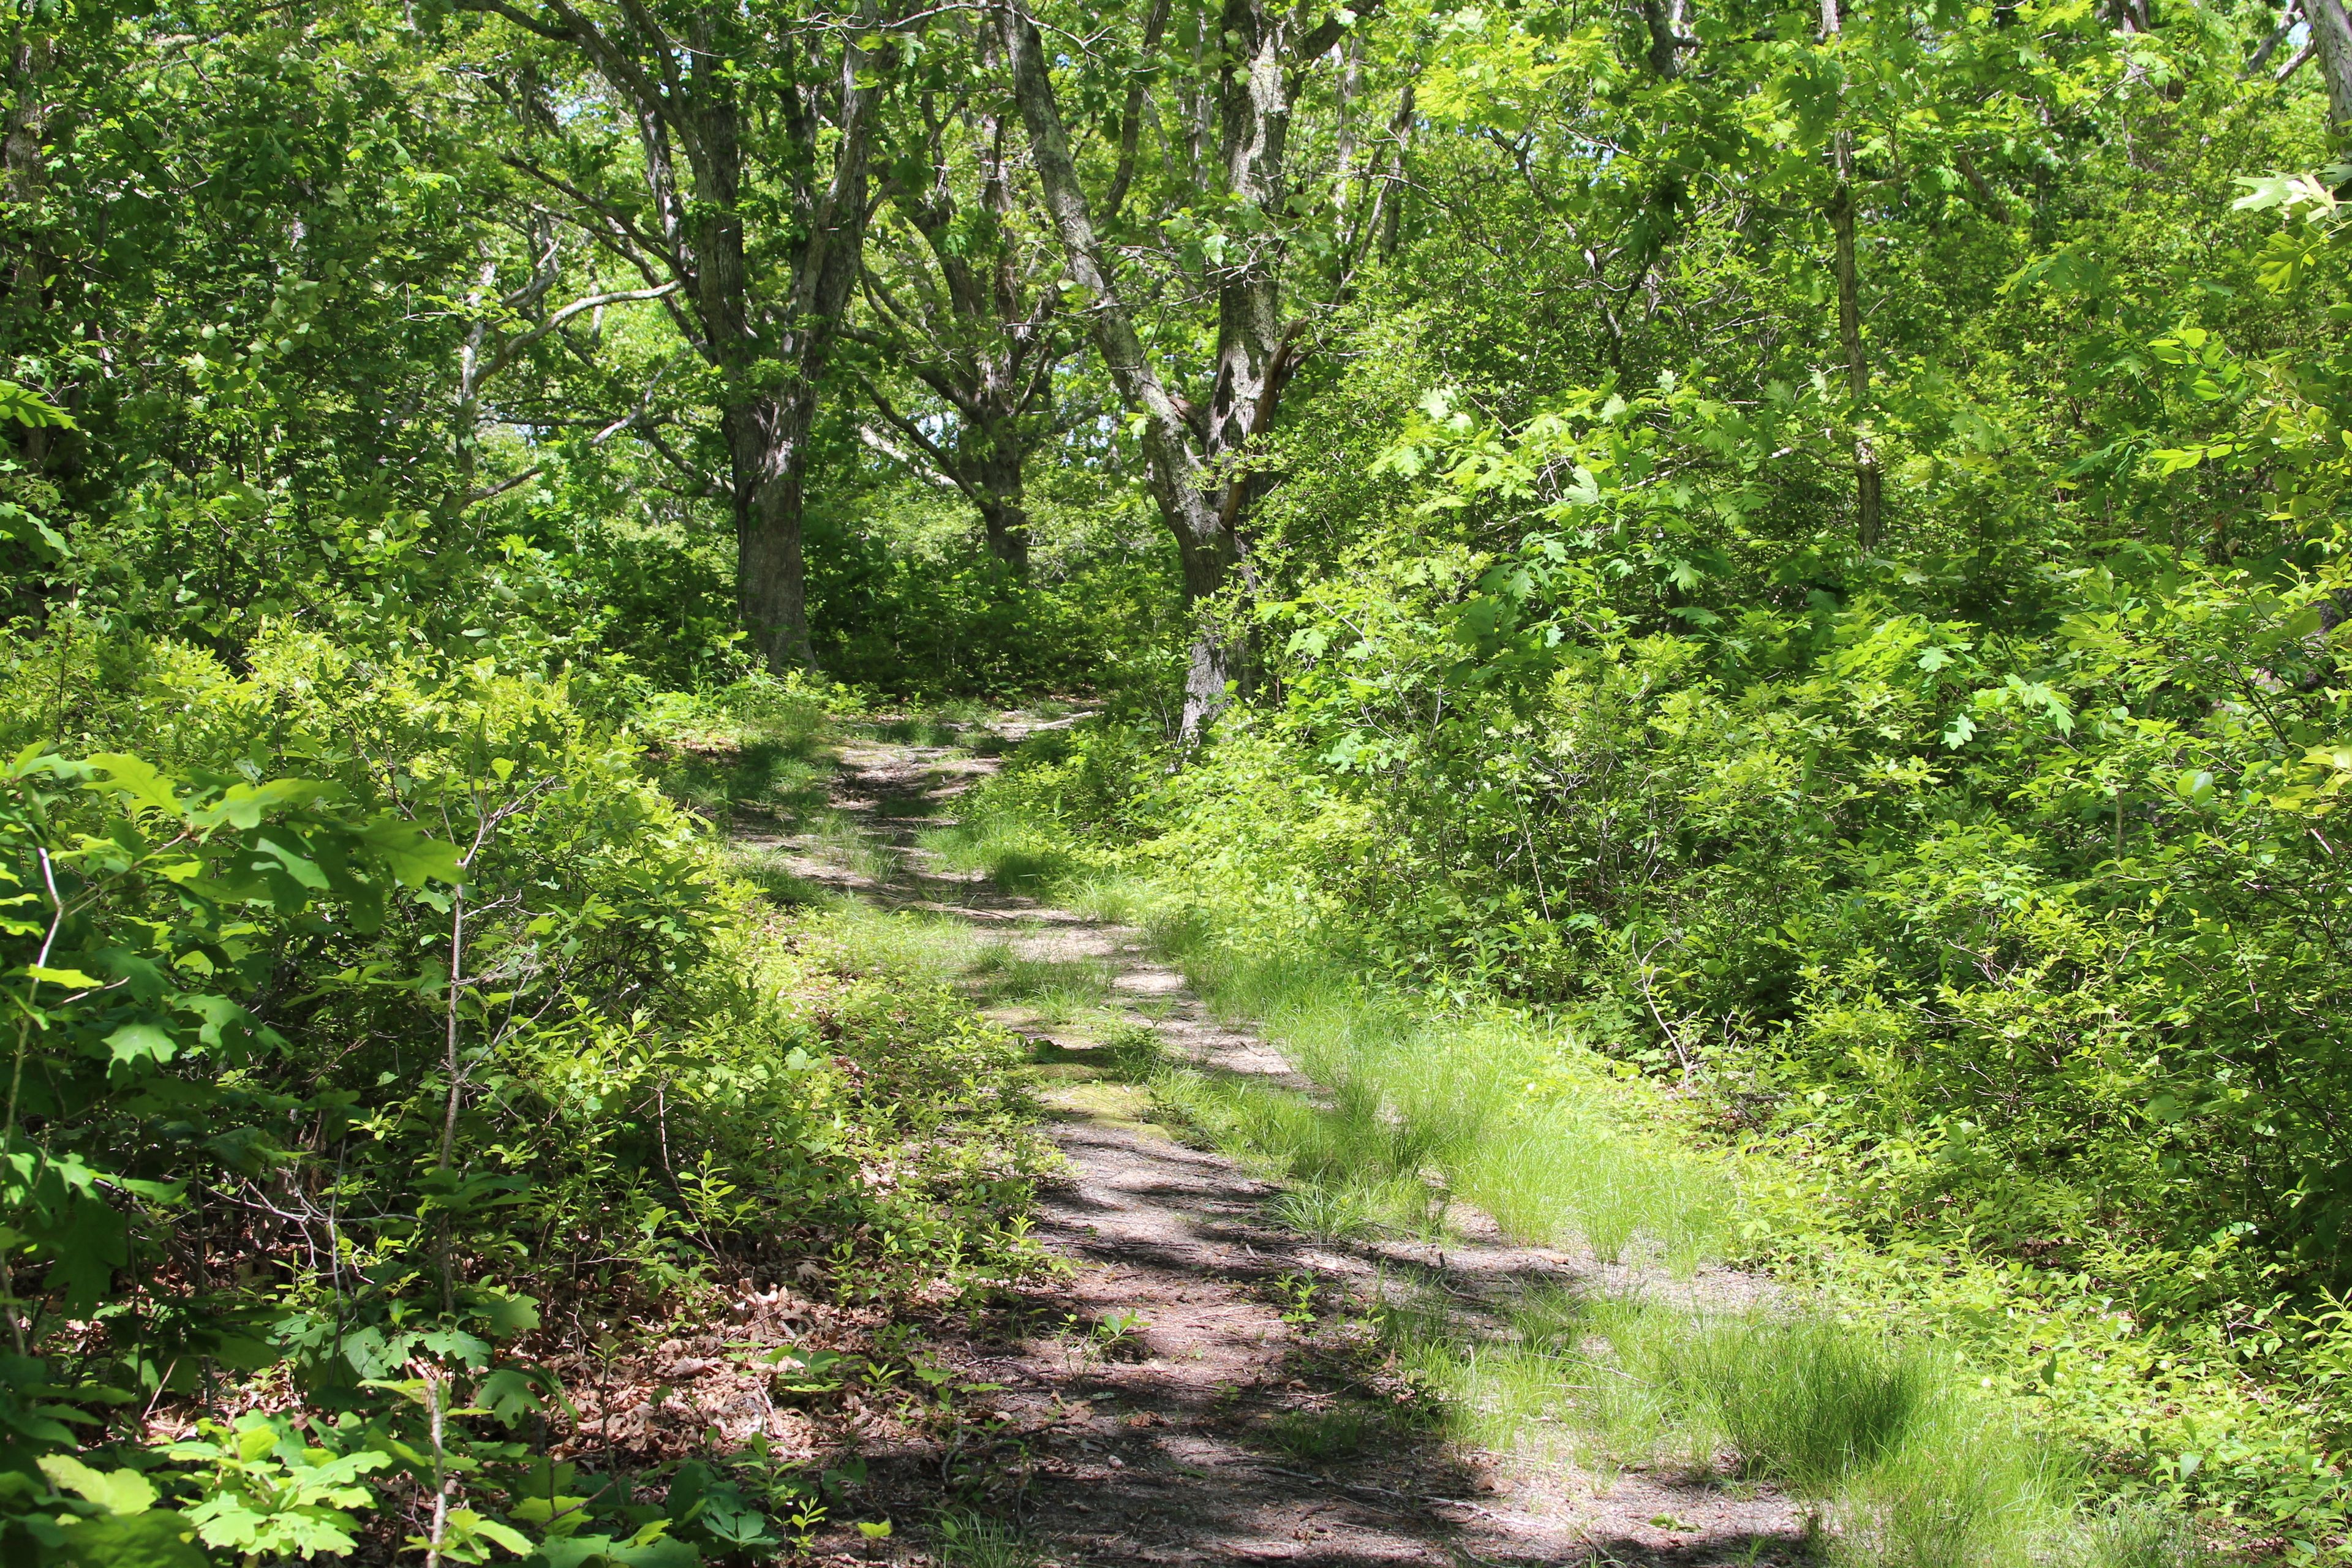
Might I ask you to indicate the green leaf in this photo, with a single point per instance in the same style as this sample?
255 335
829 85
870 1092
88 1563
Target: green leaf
300 866
27 407
411 855
464 1522
72 979
605 1552
91 1244
156 1539
142 1042
508 1394
245 805
116 1491
507 1316
137 782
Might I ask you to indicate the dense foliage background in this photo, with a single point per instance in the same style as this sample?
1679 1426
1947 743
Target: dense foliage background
1804 544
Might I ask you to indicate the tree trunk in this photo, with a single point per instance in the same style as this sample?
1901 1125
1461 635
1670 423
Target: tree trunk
2331 45
1179 479
768 451
1255 112
997 492
1664 19
1868 481
775 595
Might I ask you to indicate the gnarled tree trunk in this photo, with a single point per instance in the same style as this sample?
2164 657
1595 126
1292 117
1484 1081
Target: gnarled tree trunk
1202 474
766 319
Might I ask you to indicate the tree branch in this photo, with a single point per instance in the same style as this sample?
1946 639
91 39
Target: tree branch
874 440
2261 55
515 345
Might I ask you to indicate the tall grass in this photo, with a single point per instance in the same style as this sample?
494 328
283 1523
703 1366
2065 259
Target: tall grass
1906 1462
1493 1111
1008 852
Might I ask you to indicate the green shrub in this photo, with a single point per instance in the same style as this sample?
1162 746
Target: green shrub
395 982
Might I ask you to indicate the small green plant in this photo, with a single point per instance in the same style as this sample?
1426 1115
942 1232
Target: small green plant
1298 1291
1118 1335
1133 1052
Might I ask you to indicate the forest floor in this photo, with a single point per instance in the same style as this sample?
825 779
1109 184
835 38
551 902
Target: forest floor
1200 1384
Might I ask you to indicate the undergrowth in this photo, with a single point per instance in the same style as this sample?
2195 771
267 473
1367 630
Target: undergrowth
403 1082
1936 1406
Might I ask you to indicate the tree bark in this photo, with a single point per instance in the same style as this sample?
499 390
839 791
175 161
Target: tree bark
1254 116
1176 470
767 440
2331 45
1664 19
1002 506
2269 45
766 328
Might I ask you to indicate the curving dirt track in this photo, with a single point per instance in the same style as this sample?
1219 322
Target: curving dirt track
1156 1447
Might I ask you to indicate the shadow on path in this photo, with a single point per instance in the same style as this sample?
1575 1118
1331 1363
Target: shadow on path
1161 1446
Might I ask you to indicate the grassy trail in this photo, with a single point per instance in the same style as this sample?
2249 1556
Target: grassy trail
1222 1378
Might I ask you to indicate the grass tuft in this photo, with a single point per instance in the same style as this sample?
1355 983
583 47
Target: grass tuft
1326 1213
1321 1434
2137 1537
1114 900
1069 983
969 1539
778 886
1015 856
1807 1401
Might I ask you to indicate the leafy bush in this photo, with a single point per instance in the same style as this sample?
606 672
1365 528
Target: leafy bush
379 1004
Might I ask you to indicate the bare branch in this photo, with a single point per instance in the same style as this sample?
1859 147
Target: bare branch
874 440
515 345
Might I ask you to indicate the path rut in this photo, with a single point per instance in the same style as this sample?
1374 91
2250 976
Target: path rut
1159 1452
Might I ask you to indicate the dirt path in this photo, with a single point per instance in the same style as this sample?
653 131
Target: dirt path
1181 1438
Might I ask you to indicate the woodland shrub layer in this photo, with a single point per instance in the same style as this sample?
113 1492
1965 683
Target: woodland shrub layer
375 1022
2017 919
